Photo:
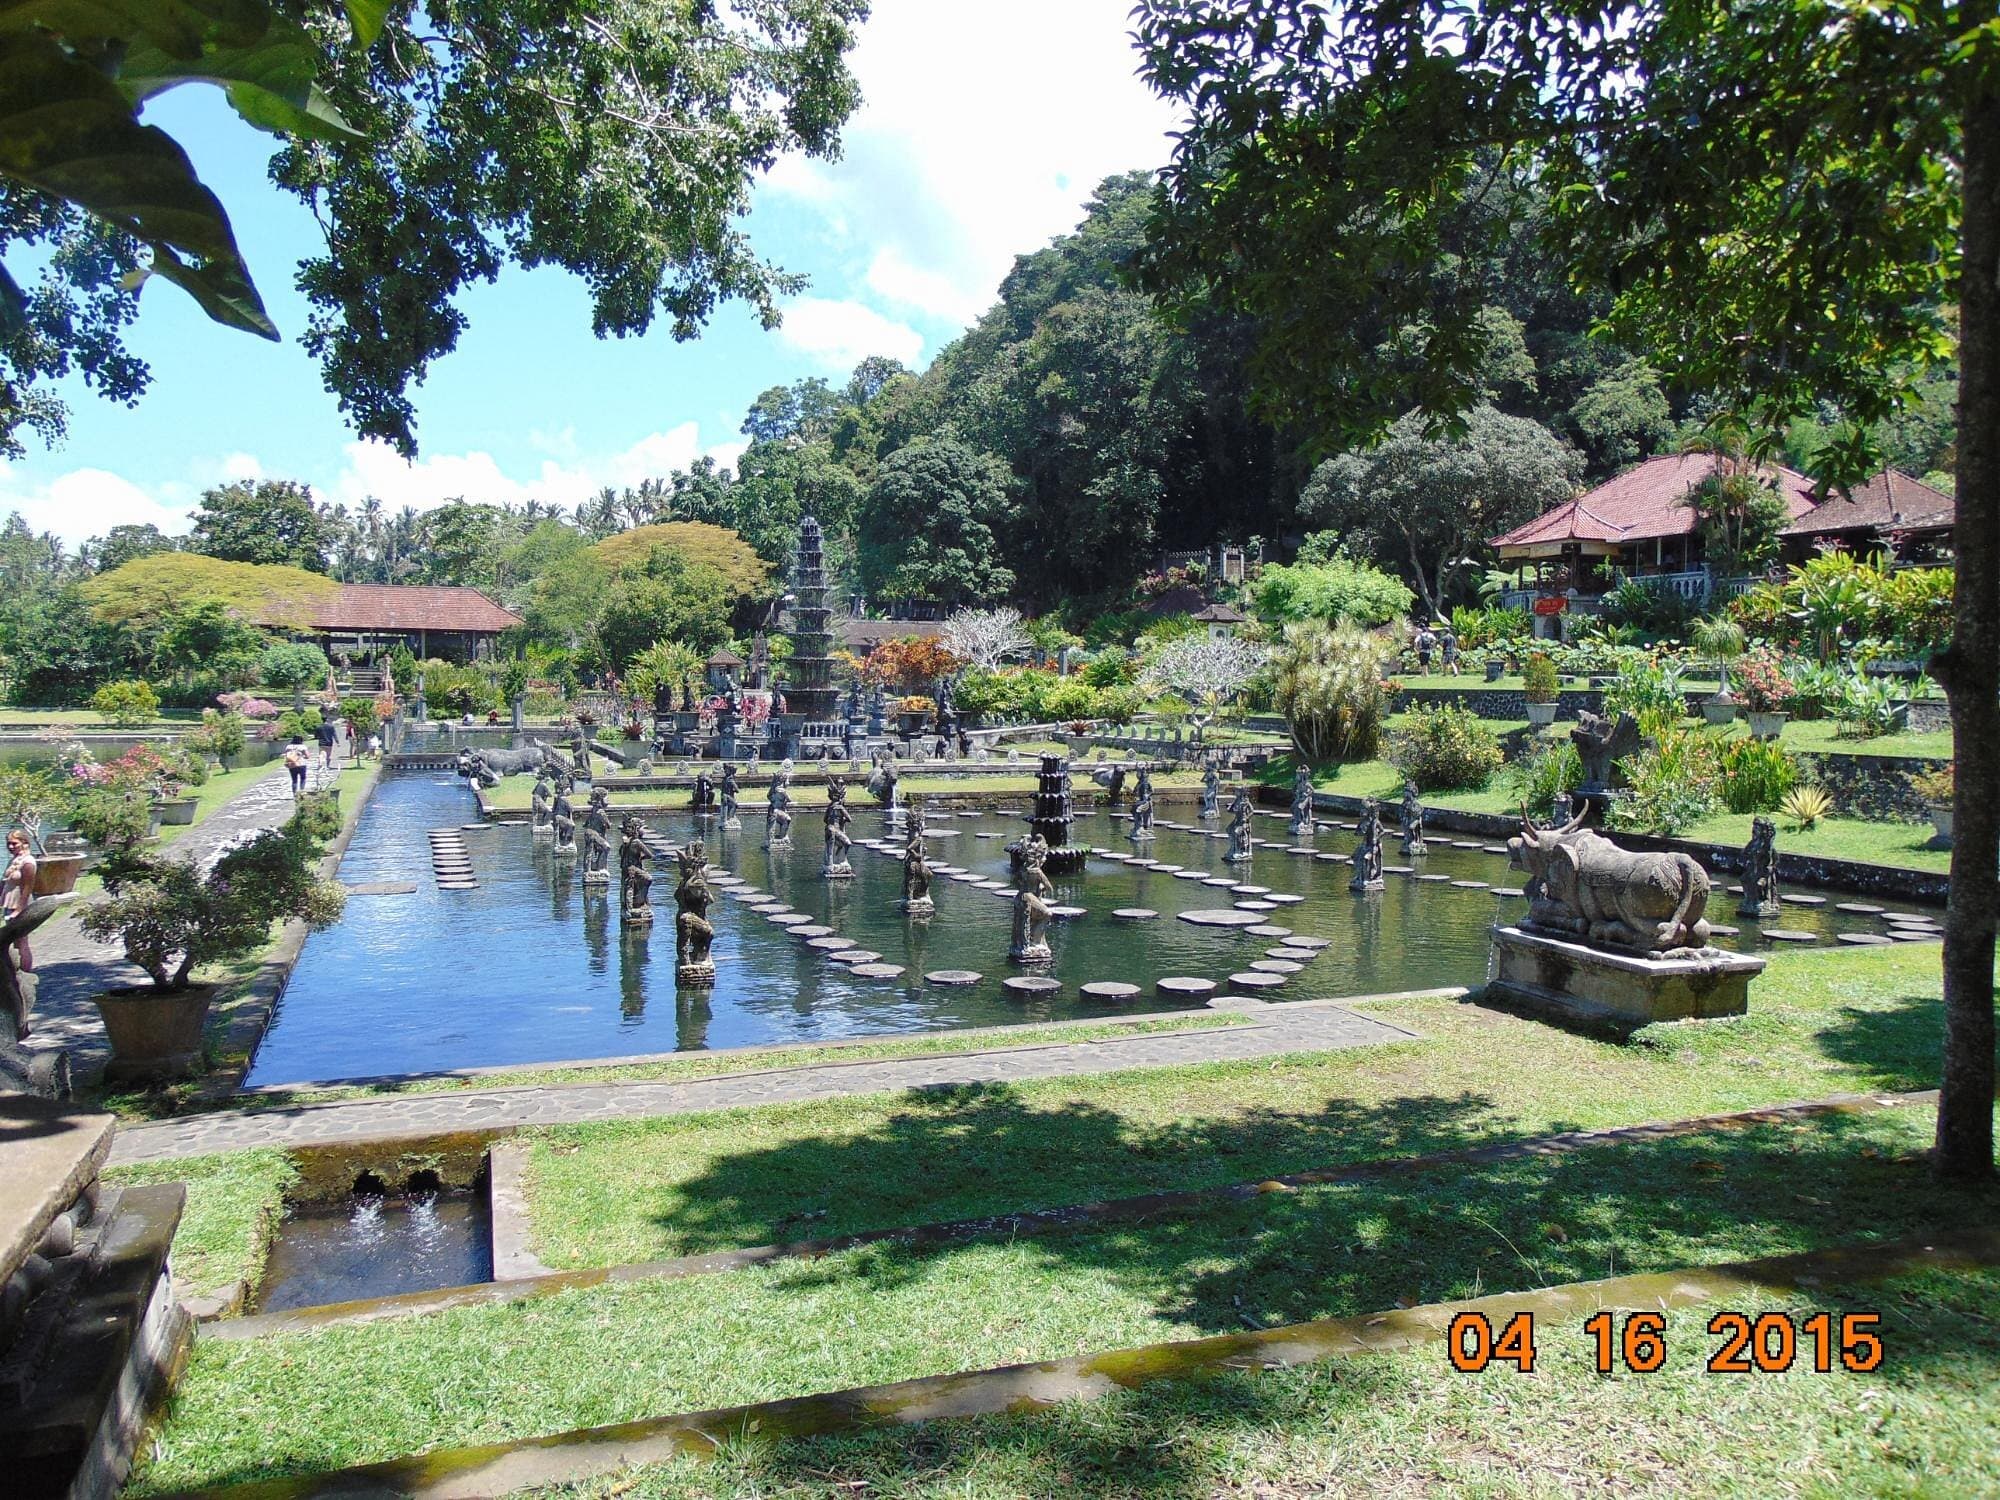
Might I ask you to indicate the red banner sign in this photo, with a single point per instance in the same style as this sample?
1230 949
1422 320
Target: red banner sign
1550 604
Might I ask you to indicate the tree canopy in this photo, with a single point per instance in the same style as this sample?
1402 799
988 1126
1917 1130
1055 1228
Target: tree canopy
695 542
150 589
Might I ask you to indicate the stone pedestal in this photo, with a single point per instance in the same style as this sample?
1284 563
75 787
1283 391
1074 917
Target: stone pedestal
90 1334
1595 989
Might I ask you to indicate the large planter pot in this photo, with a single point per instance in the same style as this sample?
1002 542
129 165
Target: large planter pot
55 874
152 819
176 812
1940 824
1541 715
154 1033
1766 726
1720 711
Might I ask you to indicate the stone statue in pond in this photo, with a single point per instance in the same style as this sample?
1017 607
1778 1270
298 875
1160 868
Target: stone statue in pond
1301 825
562 818
692 932
1142 808
835 866
917 870
1239 828
1413 821
730 817
703 799
1031 903
778 814
635 878
1760 870
1587 889
1211 789
540 824
1368 852
597 839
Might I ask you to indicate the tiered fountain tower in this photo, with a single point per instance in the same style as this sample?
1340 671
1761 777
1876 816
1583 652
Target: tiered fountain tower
809 692
1051 816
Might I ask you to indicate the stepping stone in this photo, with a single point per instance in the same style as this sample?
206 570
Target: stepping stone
1332 859
1110 991
1789 935
1433 879
1508 890
1916 935
952 978
1251 890
1275 966
1238 1002
1472 885
1220 882
1170 869
1189 875
993 885
475 827
1186 989
1909 919
1268 930
1301 849
788 918
1465 843
1256 906
985 834
830 944
1284 898
1066 913
1255 980
383 888
1220 917
854 956
1135 913
1291 954
1859 908
1121 859
1803 900
812 930
1864 939
946 870
1031 987
1493 849
877 971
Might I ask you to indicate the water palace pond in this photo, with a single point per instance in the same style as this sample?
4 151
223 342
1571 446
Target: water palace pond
530 966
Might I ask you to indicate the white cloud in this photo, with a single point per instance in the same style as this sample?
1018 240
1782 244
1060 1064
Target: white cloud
842 334
88 502
984 129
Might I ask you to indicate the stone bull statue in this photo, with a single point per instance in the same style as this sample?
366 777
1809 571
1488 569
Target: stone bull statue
1584 886
488 766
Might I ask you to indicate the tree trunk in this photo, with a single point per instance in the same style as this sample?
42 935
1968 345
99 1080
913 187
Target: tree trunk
1423 578
1971 675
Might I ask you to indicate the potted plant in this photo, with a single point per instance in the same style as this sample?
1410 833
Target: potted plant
28 799
171 919
1721 641
1766 691
1937 788
112 820
1540 686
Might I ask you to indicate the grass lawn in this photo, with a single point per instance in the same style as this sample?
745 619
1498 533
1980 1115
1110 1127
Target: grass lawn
168 721
1836 838
1821 1023
1406 1424
351 1394
232 1201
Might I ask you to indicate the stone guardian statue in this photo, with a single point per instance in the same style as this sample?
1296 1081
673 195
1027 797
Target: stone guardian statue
778 814
917 873
636 880
1211 789
1239 828
1301 824
562 818
835 866
1142 808
597 839
540 824
1760 871
1413 822
730 817
692 932
1368 853
1031 905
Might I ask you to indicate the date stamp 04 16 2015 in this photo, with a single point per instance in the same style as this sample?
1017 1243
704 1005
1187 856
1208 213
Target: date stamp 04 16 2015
1751 1343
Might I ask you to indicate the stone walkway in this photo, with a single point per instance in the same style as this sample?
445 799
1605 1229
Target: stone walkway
72 968
1301 1026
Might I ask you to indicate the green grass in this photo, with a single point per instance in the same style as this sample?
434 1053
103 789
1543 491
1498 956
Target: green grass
1406 1424
90 719
351 1394
1821 1023
232 1202
1835 838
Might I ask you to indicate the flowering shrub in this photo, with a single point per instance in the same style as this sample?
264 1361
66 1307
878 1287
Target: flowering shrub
1766 688
1936 787
1445 749
249 707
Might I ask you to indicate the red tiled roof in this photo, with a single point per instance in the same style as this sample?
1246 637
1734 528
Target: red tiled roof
400 606
1646 501
1891 501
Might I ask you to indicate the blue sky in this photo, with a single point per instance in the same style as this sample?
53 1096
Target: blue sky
986 125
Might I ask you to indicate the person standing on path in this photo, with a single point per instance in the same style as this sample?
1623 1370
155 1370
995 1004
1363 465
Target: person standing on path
297 760
329 740
17 889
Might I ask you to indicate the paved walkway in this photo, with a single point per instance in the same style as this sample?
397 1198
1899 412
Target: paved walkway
1302 1026
72 968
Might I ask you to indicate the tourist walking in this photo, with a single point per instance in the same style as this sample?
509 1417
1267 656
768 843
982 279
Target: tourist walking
328 735
298 760
375 746
16 891
1426 643
1449 642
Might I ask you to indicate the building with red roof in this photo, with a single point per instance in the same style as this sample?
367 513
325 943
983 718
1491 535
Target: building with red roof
433 620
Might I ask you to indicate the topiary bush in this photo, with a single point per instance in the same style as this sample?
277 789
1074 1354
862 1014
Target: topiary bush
1445 749
127 703
294 665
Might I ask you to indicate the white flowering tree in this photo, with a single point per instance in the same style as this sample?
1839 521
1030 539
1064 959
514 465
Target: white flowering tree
985 637
1206 670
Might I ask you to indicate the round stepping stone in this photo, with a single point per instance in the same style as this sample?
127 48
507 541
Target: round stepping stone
1864 939
788 918
1300 849
945 869
1251 890
1789 935
966 877
985 834
1220 882
1238 1002
1275 966
1332 859
1291 955
475 827
1493 849
1115 858
1284 898
812 930
854 956
1916 935
1066 913
1189 875
1803 900
1387 869
1256 980
1909 919
877 971
1031 986
458 885
831 944
1433 879
1268 930
1170 869
993 885
1465 843
1134 914
1508 890
1110 991
1214 917
951 978
1472 885
1859 908
1186 989
1314 943
1256 906
1723 929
